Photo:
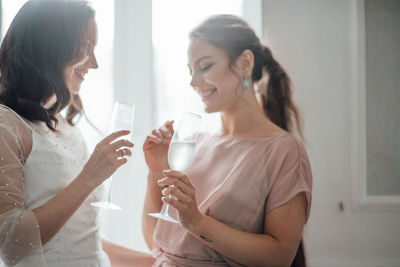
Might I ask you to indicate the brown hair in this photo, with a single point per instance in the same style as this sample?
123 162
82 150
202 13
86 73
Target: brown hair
42 40
234 35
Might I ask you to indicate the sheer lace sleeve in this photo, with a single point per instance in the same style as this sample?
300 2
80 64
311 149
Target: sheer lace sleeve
19 230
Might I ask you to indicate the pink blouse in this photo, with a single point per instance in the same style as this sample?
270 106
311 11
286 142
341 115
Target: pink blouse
238 181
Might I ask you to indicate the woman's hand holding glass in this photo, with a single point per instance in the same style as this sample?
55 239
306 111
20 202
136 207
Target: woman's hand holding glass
183 199
180 151
122 118
107 157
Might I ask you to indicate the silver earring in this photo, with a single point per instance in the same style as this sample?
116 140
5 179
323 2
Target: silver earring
246 82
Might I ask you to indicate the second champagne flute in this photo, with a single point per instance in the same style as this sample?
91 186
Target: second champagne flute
121 119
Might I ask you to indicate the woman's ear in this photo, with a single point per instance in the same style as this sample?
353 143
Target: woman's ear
245 62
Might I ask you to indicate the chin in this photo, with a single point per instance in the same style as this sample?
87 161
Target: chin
74 90
211 109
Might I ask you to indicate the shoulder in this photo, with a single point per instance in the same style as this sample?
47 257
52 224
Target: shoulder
286 149
14 130
287 143
10 119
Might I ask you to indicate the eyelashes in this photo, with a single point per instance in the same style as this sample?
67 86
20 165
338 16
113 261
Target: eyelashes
207 67
203 69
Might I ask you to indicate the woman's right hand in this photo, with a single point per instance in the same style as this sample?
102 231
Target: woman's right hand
107 157
155 147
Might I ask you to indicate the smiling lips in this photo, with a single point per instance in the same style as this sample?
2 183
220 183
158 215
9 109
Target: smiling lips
207 94
81 74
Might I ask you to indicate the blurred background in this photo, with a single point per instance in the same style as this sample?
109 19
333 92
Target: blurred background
344 61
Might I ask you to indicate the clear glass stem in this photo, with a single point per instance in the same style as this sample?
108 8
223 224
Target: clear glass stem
106 201
165 209
108 197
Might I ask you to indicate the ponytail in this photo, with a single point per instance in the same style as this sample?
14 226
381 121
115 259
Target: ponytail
277 98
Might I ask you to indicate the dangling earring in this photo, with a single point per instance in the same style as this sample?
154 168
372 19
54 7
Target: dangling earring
246 81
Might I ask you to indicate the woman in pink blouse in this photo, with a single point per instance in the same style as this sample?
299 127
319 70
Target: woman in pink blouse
245 198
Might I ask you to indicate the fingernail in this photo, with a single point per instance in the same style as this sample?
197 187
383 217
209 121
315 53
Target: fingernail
163 199
164 190
165 171
160 181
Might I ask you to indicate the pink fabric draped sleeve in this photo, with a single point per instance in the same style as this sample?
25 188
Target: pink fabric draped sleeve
238 181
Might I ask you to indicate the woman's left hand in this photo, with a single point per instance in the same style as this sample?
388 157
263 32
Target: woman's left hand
183 198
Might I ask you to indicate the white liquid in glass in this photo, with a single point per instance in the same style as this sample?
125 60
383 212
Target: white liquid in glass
180 154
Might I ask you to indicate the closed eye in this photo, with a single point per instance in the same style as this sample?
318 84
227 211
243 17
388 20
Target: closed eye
207 67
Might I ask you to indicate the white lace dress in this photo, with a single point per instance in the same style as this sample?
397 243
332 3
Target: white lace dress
36 164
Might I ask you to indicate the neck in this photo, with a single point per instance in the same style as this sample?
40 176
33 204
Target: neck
247 118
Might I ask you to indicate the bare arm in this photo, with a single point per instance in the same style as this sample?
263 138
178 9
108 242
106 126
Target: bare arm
105 159
122 256
276 247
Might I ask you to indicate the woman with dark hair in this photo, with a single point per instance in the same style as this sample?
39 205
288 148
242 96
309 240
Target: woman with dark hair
47 181
245 198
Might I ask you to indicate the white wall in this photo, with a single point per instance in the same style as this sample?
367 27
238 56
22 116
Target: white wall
313 40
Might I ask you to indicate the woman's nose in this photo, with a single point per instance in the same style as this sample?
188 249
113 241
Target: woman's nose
92 62
194 82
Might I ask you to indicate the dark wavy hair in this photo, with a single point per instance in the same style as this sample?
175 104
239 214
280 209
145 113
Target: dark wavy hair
233 35
42 40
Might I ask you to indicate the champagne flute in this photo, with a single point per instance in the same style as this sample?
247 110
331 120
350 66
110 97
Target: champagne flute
181 151
121 119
